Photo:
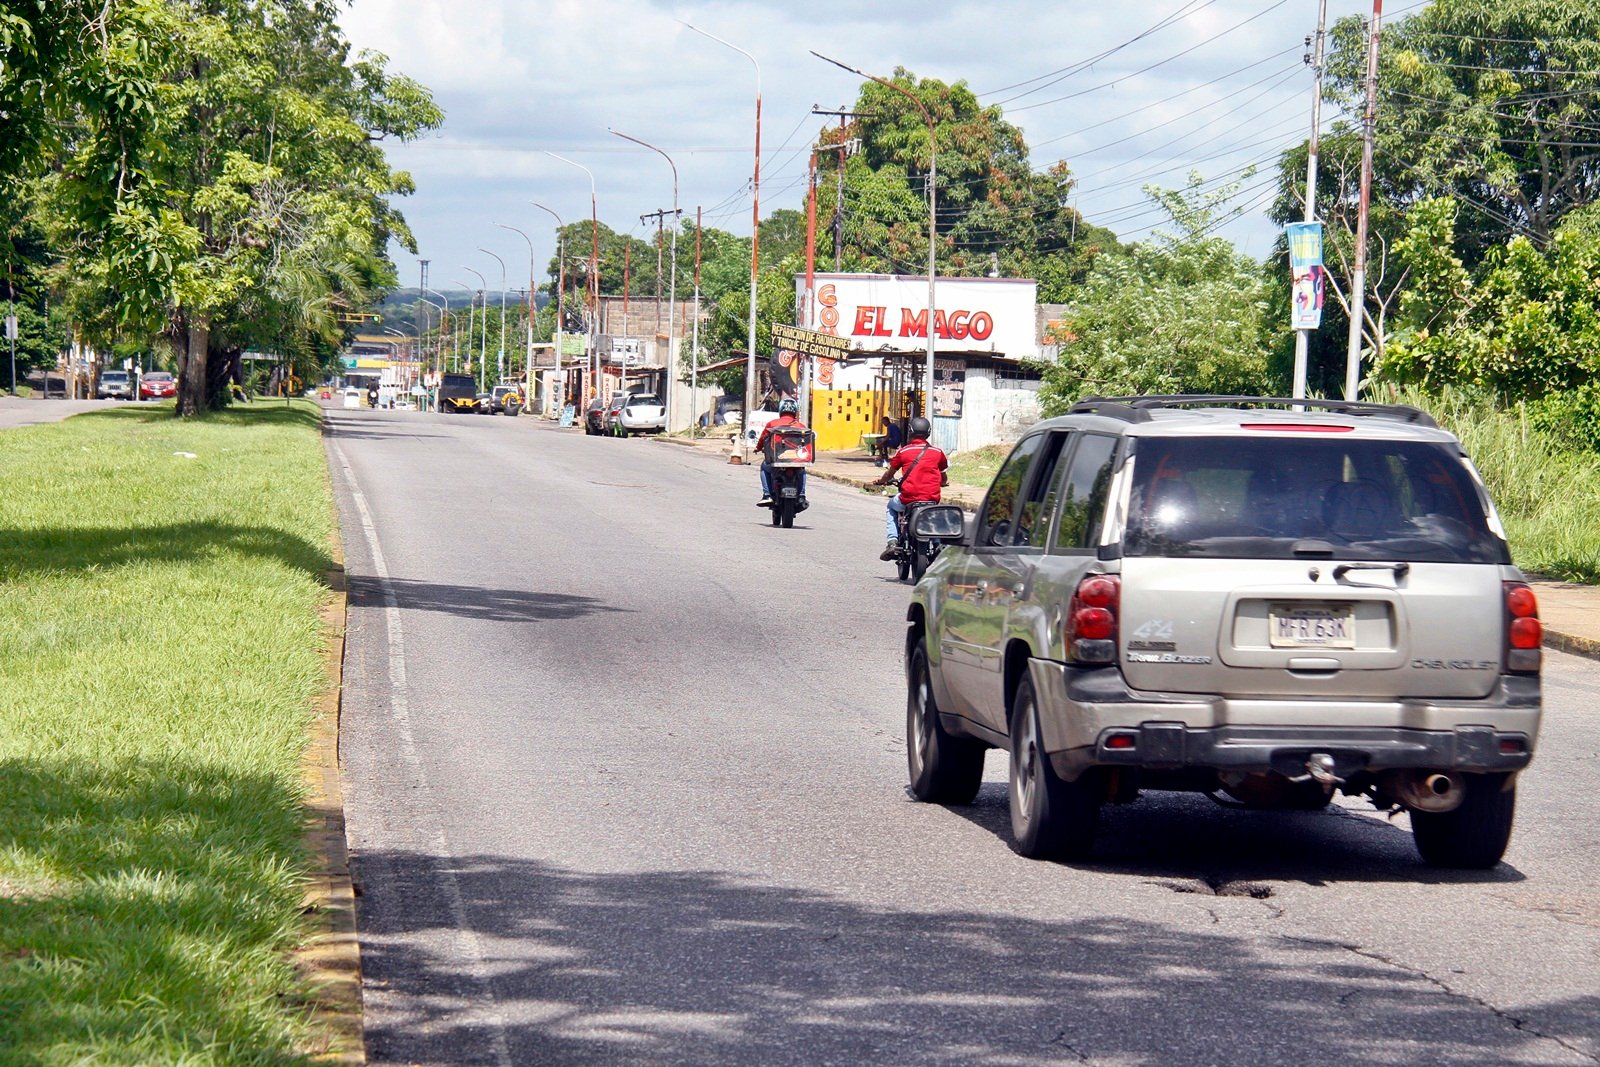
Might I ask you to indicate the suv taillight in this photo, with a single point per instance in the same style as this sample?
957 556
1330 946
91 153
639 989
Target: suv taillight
1092 619
1524 633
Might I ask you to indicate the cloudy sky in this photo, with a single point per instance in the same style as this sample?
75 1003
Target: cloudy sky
1126 93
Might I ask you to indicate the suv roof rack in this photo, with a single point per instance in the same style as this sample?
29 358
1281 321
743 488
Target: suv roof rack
1138 408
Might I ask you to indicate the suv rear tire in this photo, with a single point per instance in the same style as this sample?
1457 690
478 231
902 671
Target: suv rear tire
944 769
1050 818
1474 835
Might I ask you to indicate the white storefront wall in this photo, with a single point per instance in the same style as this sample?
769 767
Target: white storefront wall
995 316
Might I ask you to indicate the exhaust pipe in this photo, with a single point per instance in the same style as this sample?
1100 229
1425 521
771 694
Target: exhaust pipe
1426 790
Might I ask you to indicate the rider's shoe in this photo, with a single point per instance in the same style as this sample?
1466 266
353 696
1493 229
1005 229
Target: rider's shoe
804 503
889 551
764 502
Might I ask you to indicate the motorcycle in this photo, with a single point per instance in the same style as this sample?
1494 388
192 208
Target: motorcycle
789 451
912 554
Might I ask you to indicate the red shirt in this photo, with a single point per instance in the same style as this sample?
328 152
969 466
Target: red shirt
923 482
780 422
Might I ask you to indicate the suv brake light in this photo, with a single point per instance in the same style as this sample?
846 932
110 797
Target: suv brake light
1524 632
1092 619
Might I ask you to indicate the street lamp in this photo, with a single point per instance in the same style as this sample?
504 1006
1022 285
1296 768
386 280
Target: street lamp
561 294
755 246
933 224
527 404
483 329
442 319
594 273
443 322
472 307
500 363
672 292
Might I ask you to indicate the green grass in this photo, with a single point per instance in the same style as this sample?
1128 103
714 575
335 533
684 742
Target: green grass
978 466
1548 495
160 652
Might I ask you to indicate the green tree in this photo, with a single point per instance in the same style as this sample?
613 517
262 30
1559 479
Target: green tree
1490 101
1525 326
253 208
994 212
1181 313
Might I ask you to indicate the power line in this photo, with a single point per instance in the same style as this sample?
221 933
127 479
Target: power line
1056 76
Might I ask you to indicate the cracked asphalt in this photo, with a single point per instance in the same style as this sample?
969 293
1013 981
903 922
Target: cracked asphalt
625 779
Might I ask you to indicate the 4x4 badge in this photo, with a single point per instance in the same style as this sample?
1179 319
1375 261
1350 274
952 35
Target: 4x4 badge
1153 636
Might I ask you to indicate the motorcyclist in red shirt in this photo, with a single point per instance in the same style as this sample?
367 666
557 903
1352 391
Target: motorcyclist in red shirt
924 474
788 415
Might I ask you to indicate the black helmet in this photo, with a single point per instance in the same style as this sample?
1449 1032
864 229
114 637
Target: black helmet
920 428
788 406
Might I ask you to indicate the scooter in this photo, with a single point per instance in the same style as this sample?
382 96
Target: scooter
790 451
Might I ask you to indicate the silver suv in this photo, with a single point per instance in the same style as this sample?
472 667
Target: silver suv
1232 595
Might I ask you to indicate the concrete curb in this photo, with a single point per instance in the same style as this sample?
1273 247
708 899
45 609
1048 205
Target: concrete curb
1572 644
331 958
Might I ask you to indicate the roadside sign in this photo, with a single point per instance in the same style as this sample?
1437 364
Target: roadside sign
11 327
625 350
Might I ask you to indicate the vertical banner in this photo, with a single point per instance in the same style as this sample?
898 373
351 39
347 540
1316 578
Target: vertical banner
1306 274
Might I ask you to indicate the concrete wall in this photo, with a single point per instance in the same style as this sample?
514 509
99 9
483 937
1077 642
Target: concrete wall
997 407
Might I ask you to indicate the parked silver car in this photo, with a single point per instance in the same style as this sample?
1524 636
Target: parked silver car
1233 596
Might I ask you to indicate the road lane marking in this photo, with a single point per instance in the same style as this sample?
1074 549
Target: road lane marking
468 948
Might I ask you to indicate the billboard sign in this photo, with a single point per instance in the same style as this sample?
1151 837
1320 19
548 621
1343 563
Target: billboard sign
1306 274
889 312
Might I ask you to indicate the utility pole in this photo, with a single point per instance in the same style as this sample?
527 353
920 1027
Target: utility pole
1358 281
842 113
1302 338
694 345
809 312
422 288
933 215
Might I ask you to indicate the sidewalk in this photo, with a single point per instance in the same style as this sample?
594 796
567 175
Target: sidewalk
1570 612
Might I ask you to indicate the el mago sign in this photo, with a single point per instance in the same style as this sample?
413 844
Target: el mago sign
889 312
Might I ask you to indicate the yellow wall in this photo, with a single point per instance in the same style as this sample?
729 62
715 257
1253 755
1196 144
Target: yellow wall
841 416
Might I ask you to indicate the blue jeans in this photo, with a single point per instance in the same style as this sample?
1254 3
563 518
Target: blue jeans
891 530
766 480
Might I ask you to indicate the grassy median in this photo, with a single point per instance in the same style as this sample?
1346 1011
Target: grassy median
160 651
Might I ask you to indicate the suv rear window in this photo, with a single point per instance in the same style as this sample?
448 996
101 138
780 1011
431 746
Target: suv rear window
641 399
1254 498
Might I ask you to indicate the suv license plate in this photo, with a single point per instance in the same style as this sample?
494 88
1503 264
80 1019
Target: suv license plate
1296 626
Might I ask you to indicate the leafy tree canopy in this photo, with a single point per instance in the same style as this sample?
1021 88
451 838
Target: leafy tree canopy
1180 313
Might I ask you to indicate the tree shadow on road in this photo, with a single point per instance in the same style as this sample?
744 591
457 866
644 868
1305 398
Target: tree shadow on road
475 601
705 968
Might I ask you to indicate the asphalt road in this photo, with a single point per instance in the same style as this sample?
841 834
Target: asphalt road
26 411
625 777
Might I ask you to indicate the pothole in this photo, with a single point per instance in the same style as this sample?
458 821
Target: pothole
1218 887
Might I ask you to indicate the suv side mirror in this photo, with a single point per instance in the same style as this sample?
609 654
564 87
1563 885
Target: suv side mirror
942 523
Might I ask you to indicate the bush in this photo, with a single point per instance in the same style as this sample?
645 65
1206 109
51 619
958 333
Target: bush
1545 485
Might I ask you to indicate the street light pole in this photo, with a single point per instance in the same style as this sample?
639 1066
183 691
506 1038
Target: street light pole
483 329
755 248
500 365
933 216
594 274
561 294
672 290
527 403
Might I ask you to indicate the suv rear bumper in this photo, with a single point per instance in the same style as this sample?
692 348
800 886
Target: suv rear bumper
1080 710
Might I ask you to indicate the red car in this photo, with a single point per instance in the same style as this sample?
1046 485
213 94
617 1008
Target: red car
157 385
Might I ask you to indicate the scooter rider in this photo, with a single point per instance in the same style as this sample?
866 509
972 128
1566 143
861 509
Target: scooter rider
788 415
924 468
